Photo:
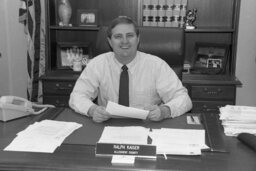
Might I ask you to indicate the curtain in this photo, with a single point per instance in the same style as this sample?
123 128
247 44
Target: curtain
32 15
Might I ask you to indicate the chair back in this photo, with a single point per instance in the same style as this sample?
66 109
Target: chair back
166 43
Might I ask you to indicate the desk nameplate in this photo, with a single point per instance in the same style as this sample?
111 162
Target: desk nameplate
137 150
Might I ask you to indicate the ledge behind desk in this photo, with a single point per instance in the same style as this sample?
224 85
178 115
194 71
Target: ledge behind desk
78 150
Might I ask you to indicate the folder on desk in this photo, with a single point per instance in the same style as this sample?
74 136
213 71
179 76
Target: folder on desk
214 134
179 141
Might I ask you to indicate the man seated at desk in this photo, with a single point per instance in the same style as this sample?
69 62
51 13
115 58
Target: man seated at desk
152 84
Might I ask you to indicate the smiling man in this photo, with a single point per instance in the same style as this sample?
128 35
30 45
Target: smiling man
151 83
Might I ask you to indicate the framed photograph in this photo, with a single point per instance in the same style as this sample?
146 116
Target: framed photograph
67 52
87 17
210 58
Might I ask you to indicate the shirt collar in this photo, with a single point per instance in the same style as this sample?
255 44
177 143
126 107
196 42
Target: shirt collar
130 65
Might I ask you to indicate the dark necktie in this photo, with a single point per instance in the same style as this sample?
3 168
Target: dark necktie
124 87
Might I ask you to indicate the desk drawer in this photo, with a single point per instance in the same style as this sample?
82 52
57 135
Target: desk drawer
58 87
209 106
58 101
213 92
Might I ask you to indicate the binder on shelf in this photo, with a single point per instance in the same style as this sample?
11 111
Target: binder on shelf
161 13
146 12
183 8
169 7
176 8
183 11
176 13
164 13
168 21
154 13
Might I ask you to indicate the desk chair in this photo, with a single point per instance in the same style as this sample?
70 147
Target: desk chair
166 43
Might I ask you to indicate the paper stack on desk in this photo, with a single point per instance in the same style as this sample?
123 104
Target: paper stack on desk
238 119
124 111
125 135
44 136
179 141
167 141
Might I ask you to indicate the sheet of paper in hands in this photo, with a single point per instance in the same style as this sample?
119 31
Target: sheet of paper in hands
123 111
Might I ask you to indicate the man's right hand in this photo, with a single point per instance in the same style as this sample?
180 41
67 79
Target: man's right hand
98 113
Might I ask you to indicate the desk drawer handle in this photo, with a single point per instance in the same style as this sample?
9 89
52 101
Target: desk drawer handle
207 91
211 110
58 87
63 88
206 109
58 103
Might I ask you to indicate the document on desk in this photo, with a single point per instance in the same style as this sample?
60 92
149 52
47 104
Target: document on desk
123 111
178 141
44 136
238 119
125 135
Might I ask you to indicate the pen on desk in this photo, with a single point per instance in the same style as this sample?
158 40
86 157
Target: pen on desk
192 118
165 157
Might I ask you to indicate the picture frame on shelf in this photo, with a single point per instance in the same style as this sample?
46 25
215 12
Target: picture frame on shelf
68 52
210 58
87 17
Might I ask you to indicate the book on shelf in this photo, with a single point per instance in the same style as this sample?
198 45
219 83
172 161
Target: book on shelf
146 12
164 13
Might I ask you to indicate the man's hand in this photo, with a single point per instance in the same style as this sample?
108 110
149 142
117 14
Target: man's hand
158 113
98 113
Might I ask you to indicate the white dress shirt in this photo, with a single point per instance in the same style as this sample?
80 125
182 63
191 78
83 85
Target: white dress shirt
151 82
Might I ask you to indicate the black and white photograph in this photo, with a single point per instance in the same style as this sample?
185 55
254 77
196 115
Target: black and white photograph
68 52
128 85
87 17
210 57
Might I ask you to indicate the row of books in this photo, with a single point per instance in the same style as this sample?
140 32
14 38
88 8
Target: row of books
164 13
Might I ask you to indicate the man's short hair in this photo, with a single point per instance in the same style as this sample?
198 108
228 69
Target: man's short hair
121 20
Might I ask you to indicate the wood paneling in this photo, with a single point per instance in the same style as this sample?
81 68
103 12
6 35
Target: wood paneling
212 13
109 9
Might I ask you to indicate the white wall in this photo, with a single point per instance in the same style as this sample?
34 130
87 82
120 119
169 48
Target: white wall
13 75
4 67
246 54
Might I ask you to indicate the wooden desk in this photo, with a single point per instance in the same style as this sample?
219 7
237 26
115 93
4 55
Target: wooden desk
75 155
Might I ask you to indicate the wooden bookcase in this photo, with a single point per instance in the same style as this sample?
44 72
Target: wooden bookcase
217 22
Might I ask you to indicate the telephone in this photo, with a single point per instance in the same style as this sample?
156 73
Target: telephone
12 107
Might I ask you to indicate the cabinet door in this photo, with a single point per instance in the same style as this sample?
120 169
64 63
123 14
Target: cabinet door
58 87
58 101
209 106
213 13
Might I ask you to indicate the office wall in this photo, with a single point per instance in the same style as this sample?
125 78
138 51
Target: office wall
246 54
4 68
13 75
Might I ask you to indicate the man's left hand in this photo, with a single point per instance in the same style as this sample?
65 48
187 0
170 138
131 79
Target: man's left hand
158 113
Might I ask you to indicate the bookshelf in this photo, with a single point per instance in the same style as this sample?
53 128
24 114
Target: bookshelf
214 23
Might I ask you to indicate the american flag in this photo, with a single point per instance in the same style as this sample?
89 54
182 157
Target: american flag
32 15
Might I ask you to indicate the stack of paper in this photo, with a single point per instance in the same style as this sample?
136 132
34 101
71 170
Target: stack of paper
44 136
123 111
238 119
167 141
125 135
179 141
